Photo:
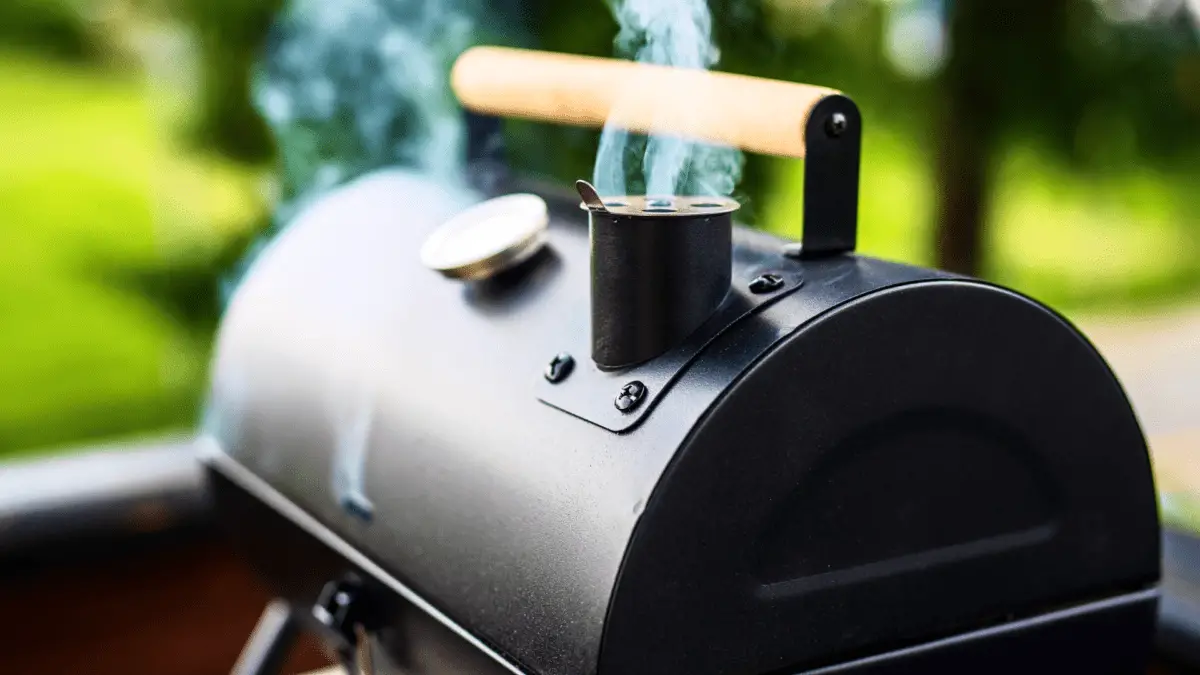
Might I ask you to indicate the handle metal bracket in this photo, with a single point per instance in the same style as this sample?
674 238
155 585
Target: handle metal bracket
833 140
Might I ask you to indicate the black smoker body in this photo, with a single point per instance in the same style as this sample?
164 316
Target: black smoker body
865 468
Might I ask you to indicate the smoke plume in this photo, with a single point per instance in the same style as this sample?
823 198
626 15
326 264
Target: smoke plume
348 86
670 33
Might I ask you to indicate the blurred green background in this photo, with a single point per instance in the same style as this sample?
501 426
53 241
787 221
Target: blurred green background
1051 145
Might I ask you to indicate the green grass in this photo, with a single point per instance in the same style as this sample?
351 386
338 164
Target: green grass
1181 510
1117 241
92 198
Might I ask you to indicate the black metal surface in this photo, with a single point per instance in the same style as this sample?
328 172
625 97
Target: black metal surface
1101 638
296 556
833 138
439 367
514 521
589 392
655 280
921 461
1179 618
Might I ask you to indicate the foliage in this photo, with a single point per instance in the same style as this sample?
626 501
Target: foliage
52 27
1116 240
112 246
231 34
1181 510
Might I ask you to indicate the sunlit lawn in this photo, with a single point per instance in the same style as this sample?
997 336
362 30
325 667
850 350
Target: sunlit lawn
93 198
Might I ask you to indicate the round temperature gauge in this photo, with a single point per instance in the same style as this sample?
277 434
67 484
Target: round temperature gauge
488 238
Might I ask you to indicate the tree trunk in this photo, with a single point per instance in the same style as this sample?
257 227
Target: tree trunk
966 133
1003 56
964 187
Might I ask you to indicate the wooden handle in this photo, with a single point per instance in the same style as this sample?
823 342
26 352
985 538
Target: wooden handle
751 113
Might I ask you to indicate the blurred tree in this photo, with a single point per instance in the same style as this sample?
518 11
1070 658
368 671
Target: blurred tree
1097 94
1094 92
230 36
53 27
1000 53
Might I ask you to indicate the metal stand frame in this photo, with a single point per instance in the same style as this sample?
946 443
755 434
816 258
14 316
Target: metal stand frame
270 643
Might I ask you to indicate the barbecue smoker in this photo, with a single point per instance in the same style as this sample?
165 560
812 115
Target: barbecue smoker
460 431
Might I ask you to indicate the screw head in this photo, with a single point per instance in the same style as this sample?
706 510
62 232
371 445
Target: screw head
631 396
836 124
559 368
766 283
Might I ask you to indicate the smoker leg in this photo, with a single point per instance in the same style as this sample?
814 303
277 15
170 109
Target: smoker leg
355 657
270 642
